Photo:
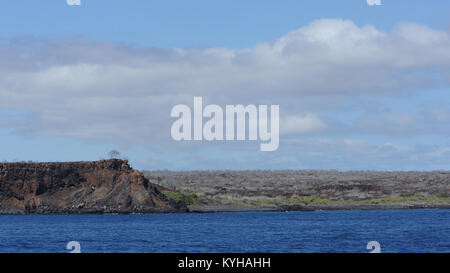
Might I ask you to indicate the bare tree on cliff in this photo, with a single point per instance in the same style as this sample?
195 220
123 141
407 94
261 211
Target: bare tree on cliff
114 154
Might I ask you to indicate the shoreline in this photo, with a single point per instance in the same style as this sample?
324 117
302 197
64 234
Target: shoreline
218 209
230 209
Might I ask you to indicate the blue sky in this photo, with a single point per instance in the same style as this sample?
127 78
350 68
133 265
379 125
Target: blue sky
366 87
202 23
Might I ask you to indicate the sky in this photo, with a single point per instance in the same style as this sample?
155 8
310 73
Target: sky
360 87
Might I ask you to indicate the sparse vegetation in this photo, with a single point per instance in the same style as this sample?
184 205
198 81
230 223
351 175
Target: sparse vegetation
189 198
277 188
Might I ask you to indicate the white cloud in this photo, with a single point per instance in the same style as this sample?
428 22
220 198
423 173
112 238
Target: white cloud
440 152
373 2
303 124
96 90
401 123
359 154
73 2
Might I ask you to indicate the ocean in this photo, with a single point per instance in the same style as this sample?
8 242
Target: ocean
319 231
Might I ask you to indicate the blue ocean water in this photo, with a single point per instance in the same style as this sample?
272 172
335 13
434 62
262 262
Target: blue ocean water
320 231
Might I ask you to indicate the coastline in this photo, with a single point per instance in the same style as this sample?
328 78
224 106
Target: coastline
113 187
218 209
230 209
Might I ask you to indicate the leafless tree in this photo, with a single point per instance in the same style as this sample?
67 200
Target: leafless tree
114 154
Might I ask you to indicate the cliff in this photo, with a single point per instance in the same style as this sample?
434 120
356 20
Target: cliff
107 186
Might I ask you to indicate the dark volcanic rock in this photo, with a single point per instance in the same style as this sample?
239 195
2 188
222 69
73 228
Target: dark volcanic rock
107 186
295 208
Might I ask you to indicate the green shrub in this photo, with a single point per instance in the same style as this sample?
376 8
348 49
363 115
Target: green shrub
188 198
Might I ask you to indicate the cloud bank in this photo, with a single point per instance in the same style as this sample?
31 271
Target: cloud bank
96 90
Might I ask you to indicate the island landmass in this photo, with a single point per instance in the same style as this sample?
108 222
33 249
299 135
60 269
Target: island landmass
112 186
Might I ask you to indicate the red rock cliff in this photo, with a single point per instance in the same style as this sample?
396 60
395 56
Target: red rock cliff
107 186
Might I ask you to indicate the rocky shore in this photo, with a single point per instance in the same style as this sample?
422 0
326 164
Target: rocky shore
217 209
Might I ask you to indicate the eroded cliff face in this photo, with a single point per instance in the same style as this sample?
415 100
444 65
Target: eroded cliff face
107 186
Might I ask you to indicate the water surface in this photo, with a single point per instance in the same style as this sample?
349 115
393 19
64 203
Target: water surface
320 231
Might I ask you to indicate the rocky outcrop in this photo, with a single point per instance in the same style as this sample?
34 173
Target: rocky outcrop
107 186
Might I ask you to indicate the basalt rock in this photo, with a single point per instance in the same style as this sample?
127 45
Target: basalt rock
107 186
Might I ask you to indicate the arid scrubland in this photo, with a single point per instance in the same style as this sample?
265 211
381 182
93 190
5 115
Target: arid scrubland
289 187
